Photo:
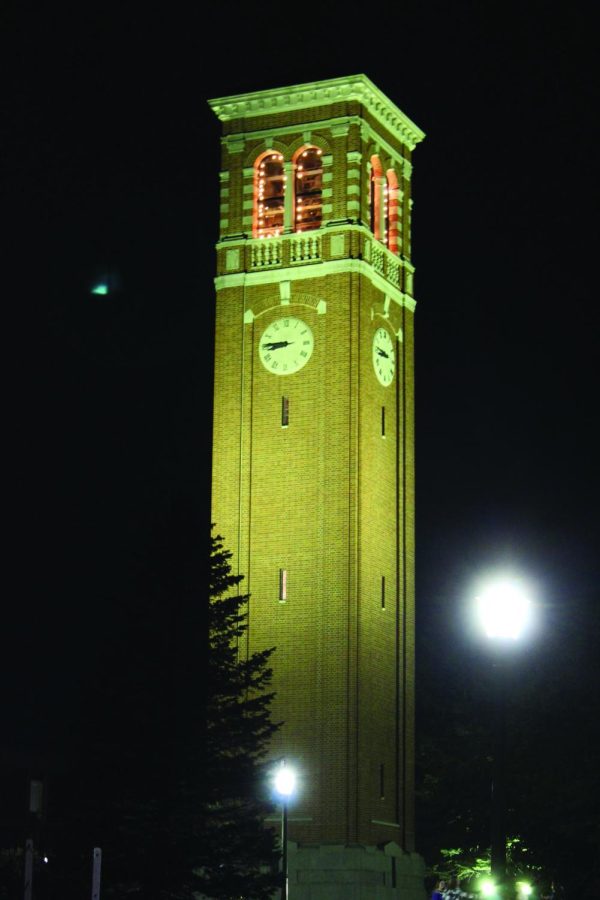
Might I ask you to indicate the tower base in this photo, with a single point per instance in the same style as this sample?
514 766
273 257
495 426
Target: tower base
354 872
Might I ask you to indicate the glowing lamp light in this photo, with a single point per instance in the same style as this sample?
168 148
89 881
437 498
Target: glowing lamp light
524 889
504 609
100 289
487 888
285 781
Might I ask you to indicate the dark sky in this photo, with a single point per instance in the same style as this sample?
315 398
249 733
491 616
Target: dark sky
112 166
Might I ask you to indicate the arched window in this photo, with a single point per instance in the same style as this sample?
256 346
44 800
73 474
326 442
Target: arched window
392 212
376 205
269 190
308 195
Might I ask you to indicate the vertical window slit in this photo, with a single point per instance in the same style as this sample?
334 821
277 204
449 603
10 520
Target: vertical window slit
383 591
282 585
383 421
285 412
381 782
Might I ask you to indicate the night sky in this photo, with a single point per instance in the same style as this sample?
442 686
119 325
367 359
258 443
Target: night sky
112 166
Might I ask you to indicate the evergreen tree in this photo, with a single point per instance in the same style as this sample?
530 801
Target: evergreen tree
213 842
238 855
174 784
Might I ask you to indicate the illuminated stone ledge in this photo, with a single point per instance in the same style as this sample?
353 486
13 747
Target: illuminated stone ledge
321 93
319 246
300 273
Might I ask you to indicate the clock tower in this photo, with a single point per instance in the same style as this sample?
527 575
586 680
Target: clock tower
313 466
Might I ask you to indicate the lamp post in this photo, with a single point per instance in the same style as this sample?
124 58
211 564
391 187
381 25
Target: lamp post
504 611
285 785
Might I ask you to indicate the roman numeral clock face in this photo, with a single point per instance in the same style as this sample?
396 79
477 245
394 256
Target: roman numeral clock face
384 356
286 345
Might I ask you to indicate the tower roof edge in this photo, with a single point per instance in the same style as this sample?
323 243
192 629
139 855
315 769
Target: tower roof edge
319 93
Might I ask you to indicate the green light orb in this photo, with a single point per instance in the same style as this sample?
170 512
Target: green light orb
487 888
101 289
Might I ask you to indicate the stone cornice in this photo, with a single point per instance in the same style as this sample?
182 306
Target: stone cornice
321 93
317 270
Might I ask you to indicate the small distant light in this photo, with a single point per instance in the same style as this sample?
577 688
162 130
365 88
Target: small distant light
524 888
45 859
101 289
488 888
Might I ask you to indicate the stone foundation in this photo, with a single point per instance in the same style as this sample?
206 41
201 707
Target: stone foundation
355 872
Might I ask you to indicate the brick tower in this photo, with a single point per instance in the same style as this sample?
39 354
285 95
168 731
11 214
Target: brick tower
313 471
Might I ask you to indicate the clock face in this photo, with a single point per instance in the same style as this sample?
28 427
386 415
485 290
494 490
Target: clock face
286 345
384 356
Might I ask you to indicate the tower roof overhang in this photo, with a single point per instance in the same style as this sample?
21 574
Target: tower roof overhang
319 93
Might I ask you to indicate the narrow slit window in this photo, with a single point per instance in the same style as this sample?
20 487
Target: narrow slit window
383 421
285 412
383 591
381 782
282 585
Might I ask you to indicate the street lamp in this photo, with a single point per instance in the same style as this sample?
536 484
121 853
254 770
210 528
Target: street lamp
504 610
285 785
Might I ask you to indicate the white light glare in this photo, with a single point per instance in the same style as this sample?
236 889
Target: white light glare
285 781
487 887
504 609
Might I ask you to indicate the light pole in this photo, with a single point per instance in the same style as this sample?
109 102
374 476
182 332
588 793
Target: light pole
285 785
504 610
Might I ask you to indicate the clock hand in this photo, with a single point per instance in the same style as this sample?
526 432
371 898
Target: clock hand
382 352
276 345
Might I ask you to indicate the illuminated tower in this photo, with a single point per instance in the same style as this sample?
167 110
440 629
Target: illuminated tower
313 473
